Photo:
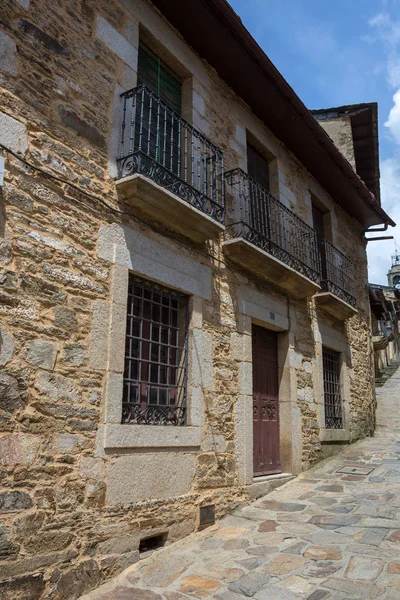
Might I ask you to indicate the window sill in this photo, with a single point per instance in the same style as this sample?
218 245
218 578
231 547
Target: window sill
334 435
151 436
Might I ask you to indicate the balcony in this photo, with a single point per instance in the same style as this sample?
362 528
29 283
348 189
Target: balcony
390 332
338 295
381 336
167 171
268 240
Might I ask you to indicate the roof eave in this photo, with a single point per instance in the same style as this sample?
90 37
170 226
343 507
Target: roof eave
363 117
240 61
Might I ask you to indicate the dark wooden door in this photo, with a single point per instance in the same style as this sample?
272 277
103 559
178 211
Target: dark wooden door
265 402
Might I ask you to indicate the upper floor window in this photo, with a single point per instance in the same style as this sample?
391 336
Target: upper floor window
155 377
332 389
157 142
257 167
319 227
318 222
159 78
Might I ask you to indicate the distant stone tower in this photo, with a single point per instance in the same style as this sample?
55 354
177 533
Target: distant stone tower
394 271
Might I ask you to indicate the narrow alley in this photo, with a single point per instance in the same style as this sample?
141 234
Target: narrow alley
332 533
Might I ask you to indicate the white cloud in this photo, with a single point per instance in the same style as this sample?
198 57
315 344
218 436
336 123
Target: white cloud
379 252
390 183
381 20
393 121
386 31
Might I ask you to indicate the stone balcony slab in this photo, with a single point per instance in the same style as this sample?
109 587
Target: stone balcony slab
260 263
334 305
156 204
380 342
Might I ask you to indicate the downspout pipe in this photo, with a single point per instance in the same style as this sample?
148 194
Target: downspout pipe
384 228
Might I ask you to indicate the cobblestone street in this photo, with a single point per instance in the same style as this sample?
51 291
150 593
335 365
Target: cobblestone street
333 533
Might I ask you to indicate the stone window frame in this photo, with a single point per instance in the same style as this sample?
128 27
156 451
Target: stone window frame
326 214
175 65
116 434
273 163
157 36
333 357
158 311
335 340
107 345
317 196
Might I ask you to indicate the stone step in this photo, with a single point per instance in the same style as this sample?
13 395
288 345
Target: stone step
264 485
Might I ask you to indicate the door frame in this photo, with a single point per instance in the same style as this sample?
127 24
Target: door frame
265 428
259 309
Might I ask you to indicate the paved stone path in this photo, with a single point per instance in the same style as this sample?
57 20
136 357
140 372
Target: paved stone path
325 535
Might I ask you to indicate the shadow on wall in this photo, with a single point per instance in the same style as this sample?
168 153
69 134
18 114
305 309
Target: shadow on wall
5 235
2 214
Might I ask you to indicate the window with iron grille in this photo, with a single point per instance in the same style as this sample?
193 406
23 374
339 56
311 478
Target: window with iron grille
155 378
332 396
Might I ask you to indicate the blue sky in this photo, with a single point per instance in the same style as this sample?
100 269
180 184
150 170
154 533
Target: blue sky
335 53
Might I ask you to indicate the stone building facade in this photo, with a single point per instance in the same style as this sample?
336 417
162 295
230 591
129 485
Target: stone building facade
385 308
97 458
385 327
354 130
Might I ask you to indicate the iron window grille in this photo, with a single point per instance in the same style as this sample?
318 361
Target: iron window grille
332 393
155 377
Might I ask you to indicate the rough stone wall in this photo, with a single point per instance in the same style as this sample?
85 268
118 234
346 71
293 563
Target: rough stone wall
360 358
311 445
58 536
52 501
340 131
362 390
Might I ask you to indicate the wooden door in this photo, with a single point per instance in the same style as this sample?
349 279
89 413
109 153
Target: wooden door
265 402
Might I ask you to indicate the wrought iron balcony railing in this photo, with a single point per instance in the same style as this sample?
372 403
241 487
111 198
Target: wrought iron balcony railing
337 273
259 218
379 329
158 143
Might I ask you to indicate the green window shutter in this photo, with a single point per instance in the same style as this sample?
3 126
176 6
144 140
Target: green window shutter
159 78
